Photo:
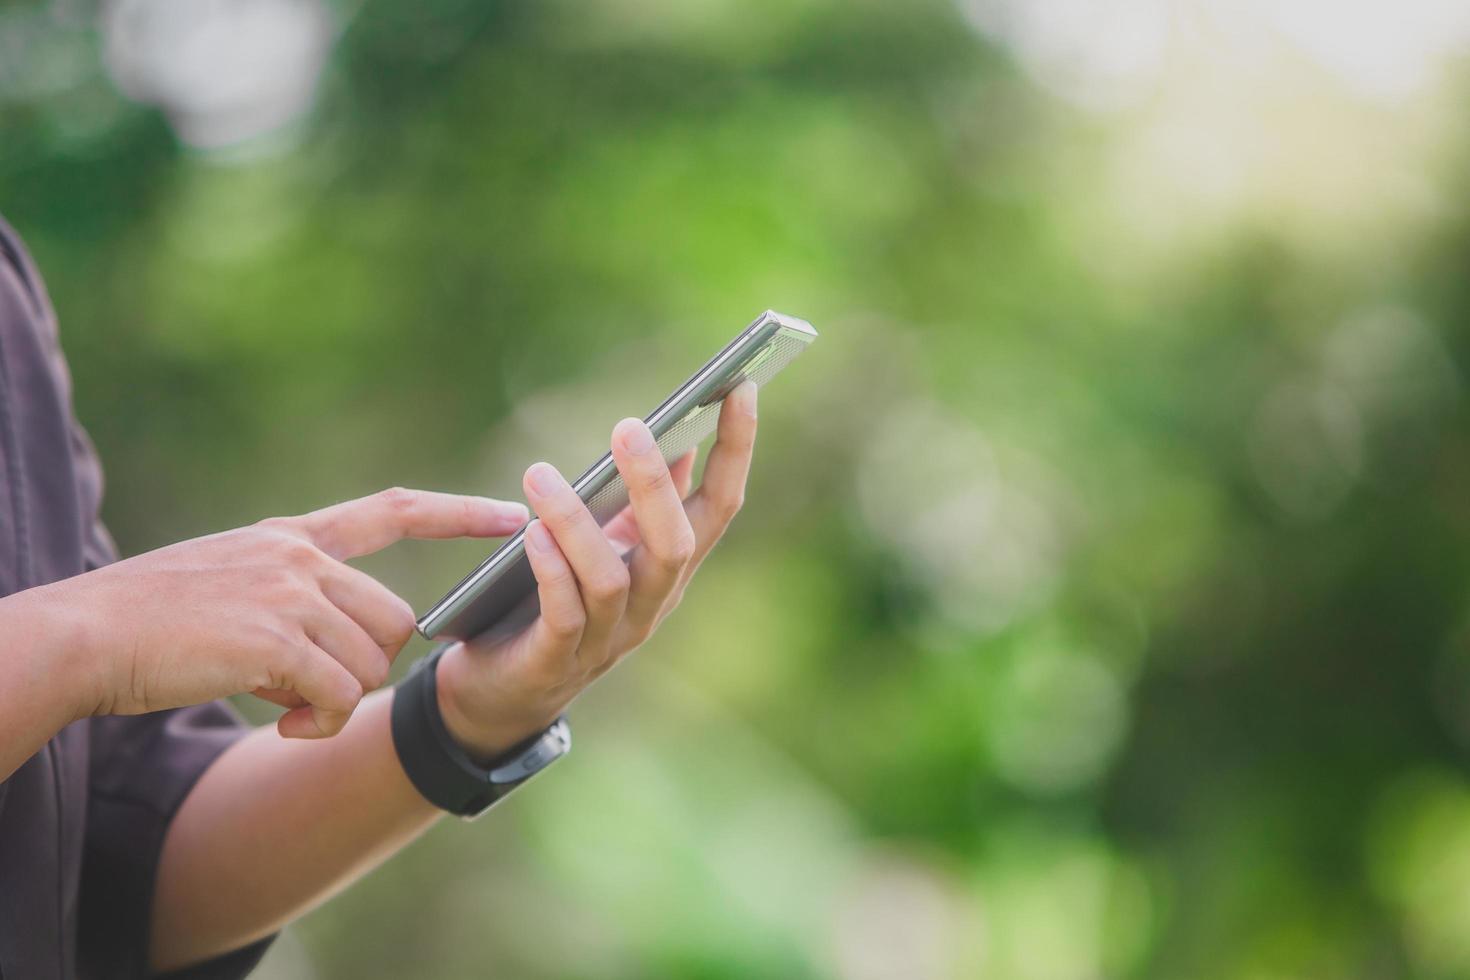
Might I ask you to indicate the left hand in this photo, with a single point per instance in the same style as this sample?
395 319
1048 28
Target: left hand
595 609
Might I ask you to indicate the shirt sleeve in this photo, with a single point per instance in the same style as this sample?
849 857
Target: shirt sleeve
142 768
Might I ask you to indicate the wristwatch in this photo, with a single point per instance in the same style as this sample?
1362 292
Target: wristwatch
440 769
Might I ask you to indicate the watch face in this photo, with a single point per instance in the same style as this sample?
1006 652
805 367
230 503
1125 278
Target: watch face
551 745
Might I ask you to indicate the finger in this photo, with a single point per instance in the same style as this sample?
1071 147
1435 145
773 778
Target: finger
368 524
622 530
330 690
722 491
682 469
383 616
602 578
667 537
345 641
557 632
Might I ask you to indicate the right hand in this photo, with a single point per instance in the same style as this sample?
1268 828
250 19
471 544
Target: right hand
270 609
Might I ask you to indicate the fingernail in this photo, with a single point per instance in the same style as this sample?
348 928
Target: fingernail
537 537
636 437
514 510
545 479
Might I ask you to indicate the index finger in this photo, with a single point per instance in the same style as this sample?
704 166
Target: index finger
368 524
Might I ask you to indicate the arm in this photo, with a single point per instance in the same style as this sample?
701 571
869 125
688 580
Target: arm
289 824
270 608
286 824
38 698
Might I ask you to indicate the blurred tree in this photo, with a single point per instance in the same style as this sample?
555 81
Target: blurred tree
1099 606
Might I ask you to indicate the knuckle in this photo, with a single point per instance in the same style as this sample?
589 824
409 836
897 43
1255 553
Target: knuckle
566 625
564 510
303 554
558 578
286 658
378 673
270 673
273 532
292 550
300 652
286 594
657 477
610 584
398 499
309 607
348 694
721 509
680 551
264 678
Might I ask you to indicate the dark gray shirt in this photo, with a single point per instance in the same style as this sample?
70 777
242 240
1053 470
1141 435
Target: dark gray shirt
82 821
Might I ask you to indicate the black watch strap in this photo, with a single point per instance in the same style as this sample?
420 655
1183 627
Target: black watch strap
442 771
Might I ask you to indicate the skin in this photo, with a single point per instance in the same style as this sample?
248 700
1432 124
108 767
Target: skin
289 817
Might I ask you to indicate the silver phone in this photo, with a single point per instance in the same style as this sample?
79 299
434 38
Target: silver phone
499 597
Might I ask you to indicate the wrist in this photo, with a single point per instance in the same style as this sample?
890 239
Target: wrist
61 669
483 731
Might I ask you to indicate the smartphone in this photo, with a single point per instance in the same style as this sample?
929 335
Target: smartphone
499 597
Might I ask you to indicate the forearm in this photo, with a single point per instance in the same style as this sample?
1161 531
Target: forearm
275 827
41 693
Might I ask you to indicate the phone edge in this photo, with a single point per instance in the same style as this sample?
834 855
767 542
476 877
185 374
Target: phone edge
439 616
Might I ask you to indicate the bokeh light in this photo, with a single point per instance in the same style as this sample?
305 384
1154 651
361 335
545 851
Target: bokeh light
1099 604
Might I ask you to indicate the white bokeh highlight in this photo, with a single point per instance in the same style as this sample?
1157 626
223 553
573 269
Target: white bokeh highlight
224 71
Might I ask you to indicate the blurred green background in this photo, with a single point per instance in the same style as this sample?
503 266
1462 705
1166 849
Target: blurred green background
1099 607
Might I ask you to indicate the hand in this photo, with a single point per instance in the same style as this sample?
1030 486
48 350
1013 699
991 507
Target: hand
594 608
271 609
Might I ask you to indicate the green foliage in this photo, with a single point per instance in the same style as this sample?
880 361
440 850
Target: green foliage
1098 605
